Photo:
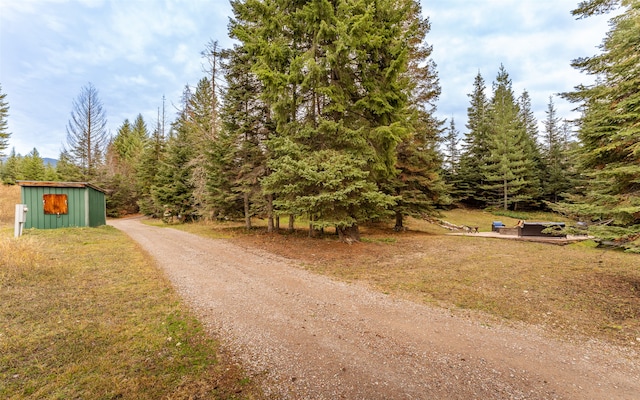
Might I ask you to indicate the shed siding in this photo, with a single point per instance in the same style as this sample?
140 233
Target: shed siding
85 204
36 218
97 212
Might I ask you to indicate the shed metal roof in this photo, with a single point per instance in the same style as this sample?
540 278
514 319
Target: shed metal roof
60 185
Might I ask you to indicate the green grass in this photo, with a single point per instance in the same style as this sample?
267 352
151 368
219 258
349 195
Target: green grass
85 314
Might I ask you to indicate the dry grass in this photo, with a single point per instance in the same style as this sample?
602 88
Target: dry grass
85 314
9 197
576 292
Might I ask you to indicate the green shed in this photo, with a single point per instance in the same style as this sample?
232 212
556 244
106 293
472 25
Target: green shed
63 204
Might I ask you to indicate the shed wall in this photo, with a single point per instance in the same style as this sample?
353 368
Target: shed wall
36 218
97 208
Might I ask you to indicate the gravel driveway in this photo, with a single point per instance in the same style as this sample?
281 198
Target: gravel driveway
309 337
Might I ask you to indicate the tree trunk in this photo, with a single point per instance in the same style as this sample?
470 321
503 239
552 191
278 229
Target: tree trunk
399 217
506 198
277 223
270 213
349 234
292 219
247 217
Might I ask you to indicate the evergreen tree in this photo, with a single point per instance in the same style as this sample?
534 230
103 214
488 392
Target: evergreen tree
4 125
32 167
557 181
173 191
506 170
201 121
66 170
50 173
147 172
244 116
11 168
533 154
123 160
120 144
475 148
451 142
86 132
609 129
335 77
418 186
180 187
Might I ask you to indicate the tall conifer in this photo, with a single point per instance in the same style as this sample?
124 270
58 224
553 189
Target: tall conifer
609 128
4 125
475 148
507 167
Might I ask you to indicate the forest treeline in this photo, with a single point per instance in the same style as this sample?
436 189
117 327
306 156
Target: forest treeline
326 110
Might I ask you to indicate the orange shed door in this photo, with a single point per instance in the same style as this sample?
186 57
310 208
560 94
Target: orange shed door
55 204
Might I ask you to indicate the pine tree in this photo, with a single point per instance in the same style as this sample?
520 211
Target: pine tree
123 160
451 142
475 149
557 181
200 120
535 173
66 169
609 128
121 143
418 186
86 132
147 172
335 77
173 191
181 181
4 125
11 169
50 173
243 163
32 167
506 170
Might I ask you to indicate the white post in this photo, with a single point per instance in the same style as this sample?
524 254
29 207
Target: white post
21 218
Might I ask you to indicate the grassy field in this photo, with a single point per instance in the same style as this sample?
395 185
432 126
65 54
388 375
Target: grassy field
86 315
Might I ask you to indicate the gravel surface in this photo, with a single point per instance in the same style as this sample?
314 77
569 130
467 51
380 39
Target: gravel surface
306 336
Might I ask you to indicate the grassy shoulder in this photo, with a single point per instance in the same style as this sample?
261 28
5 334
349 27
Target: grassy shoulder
85 314
576 292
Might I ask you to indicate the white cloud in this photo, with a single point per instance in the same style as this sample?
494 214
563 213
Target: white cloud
182 54
128 81
160 71
535 40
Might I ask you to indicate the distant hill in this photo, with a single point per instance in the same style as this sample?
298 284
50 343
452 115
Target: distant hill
51 161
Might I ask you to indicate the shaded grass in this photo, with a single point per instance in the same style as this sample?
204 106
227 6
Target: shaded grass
85 314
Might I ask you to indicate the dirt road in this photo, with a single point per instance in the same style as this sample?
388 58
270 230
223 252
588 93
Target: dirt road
310 337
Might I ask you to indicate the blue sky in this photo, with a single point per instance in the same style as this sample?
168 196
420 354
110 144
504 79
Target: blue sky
136 51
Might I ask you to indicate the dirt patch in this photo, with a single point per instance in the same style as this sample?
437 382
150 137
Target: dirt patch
308 336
